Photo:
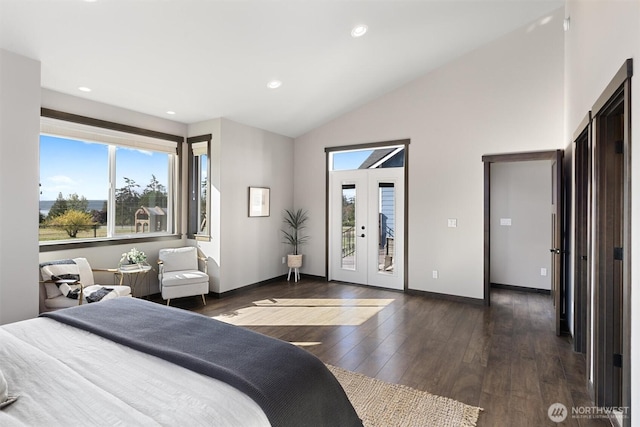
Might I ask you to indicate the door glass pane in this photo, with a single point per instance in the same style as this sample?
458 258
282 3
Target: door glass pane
386 227
348 261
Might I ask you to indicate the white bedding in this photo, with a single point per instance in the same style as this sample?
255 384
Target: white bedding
69 377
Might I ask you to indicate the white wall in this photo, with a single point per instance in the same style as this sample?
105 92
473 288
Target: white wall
601 37
251 248
504 97
244 250
19 136
521 192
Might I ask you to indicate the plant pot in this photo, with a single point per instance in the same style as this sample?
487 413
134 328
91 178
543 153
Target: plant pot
294 261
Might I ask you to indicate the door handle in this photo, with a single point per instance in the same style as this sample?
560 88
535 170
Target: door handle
554 251
362 235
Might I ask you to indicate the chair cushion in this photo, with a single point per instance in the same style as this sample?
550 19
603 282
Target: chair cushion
178 278
175 259
52 290
63 302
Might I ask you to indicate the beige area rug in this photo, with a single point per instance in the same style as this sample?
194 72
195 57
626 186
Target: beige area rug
381 404
299 316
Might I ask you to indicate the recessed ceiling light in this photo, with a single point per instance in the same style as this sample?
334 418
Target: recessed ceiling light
274 84
359 31
84 89
171 112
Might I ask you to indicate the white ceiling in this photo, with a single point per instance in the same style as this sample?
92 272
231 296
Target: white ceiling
207 59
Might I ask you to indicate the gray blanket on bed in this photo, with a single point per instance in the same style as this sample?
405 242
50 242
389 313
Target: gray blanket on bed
293 387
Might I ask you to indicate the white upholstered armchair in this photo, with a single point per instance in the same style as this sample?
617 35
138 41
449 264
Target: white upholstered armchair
179 274
69 282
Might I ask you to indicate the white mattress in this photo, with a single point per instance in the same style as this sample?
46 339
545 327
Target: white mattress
69 377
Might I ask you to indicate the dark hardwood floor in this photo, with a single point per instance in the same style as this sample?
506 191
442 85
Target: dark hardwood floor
504 358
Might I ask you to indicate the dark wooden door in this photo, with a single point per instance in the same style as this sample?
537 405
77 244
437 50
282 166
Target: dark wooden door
609 252
556 239
581 255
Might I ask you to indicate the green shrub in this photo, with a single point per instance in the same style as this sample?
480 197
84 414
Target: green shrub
72 221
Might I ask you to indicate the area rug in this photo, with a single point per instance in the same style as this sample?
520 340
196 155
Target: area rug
381 404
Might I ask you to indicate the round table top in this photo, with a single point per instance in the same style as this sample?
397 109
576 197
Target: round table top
134 268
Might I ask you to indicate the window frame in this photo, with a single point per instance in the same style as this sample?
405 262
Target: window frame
193 222
55 245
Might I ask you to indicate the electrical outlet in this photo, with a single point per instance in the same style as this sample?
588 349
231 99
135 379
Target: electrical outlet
543 271
452 223
283 260
435 274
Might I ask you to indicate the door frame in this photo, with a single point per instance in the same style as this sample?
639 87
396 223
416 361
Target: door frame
556 155
373 145
620 85
582 174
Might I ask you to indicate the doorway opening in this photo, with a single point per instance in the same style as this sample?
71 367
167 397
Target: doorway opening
366 214
556 243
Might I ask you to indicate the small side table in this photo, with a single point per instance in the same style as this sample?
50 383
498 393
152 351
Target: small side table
135 274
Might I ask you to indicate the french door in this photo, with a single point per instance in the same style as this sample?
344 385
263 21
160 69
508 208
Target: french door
366 220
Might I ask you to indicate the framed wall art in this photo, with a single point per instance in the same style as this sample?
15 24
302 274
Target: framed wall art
259 201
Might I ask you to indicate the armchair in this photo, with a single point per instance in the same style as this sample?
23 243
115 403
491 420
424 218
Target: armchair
179 274
69 282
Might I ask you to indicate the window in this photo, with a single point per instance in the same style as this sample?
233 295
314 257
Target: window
199 186
101 183
371 158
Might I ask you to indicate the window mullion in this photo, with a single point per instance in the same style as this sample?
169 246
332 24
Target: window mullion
111 201
171 226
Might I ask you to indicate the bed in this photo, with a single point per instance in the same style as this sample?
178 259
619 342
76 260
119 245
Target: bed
131 362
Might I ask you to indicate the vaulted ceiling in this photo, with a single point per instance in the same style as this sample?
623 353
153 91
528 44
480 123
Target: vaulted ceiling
206 59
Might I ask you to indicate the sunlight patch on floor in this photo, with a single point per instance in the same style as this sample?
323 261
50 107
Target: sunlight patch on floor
306 312
315 302
306 343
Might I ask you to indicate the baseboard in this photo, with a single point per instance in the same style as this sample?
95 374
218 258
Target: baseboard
246 287
281 278
521 288
455 298
365 286
309 276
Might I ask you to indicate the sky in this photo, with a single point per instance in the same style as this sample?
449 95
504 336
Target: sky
347 160
70 166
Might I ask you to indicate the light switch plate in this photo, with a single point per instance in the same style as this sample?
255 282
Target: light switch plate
505 221
452 222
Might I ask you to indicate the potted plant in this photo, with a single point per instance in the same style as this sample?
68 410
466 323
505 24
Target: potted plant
133 259
296 221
